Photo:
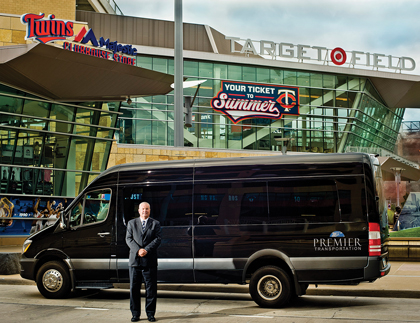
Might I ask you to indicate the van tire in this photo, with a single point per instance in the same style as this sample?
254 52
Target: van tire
270 286
53 280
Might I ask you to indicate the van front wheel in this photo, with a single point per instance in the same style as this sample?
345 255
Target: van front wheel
270 286
53 280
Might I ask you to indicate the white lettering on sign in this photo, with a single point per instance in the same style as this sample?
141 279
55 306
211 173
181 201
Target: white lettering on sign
337 244
317 53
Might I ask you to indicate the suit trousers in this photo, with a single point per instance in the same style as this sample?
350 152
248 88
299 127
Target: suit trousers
139 274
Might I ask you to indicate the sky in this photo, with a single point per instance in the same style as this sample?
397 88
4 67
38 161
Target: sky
375 26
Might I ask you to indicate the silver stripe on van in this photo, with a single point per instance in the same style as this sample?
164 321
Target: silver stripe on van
326 263
219 263
190 263
299 263
83 264
164 264
176 264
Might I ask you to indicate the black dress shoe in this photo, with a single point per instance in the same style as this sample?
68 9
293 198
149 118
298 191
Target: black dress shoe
135 319
151 318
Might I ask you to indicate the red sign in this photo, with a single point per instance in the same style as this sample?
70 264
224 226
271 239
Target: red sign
46 30
240 100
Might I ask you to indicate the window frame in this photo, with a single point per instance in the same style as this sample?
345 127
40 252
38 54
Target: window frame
82 201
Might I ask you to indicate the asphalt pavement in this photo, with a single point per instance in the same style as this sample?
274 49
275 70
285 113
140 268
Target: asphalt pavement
403 281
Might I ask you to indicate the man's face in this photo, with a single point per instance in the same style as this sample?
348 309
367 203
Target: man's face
144 210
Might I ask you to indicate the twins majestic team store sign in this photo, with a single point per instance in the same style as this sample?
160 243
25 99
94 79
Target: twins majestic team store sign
45 30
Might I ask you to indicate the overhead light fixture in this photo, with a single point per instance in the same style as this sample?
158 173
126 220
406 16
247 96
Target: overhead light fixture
187 84
129 101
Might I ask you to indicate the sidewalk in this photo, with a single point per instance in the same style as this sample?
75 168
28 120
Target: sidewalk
402 282
17 248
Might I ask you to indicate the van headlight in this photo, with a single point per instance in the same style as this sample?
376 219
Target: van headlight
26 245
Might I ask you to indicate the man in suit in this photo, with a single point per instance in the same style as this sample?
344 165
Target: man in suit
143 238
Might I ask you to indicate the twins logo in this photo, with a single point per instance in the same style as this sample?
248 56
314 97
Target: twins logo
240 101
46 30
287 99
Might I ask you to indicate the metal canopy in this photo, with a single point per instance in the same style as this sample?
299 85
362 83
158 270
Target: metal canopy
409 173
63 75
399 93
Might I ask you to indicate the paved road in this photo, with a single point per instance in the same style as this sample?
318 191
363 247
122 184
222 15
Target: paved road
403 281
394 298
22 303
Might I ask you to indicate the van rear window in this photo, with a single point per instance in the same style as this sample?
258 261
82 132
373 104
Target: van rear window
351 192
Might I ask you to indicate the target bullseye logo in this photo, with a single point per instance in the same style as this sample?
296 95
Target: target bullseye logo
338 56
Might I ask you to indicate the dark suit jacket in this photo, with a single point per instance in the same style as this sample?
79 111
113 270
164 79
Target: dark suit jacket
149 240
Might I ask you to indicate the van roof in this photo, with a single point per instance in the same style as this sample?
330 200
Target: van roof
236 161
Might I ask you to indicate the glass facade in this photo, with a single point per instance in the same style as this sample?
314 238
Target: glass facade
50 148
336 112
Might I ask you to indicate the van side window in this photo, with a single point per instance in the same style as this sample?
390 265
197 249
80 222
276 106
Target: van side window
92 208
231 203
303 201
170 204
350 193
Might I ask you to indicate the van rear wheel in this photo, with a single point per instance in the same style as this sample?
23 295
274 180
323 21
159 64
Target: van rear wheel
270 286
53 280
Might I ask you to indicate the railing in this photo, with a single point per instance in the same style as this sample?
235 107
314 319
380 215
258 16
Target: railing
115 7
411 126
404 248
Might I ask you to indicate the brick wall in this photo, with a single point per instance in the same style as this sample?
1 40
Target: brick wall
12 31
62 9
408 146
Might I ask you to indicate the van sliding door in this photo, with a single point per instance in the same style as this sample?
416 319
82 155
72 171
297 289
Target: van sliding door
171 205
229 219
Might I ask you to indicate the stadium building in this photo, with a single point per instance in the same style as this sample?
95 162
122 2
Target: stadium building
83 88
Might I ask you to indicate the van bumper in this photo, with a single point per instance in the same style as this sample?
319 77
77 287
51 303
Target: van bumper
377 267
27 267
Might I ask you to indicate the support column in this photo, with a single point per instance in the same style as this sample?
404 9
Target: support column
397 173
178 78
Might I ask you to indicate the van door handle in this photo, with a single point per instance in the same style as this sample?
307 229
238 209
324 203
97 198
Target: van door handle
103 234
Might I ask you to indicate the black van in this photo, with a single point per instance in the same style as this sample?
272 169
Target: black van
276 223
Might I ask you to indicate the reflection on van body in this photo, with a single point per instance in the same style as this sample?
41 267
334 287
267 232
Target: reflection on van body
276 223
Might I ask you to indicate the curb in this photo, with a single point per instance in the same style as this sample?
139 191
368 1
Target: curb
14 281
364 293
241 289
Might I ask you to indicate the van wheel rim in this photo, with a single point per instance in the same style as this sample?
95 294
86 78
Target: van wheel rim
52 280
269 287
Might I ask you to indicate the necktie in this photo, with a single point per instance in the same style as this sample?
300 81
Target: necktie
143 226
